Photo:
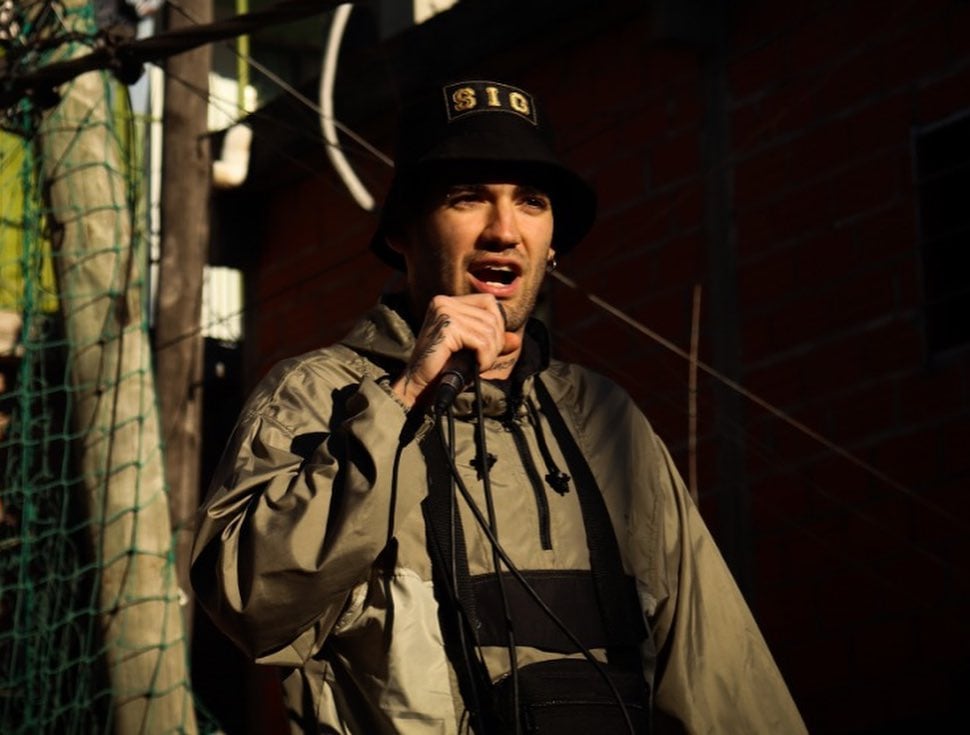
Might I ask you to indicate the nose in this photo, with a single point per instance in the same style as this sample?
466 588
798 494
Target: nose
502 227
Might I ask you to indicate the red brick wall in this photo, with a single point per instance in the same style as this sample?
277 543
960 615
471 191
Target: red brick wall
859 582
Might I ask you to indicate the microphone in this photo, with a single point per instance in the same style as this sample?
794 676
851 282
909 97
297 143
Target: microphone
459 371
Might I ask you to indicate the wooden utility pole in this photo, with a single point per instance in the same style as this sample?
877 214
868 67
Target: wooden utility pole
186 174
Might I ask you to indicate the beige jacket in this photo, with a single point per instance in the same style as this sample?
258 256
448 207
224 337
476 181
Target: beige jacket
310 490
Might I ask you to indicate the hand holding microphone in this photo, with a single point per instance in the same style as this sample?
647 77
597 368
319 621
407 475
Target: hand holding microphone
461 335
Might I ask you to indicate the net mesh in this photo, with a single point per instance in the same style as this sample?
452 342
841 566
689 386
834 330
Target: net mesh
91 630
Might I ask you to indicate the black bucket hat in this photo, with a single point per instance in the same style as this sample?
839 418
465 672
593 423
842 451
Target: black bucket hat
476 131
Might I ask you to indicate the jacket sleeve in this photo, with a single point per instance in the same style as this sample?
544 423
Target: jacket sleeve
714 673
299 510
717 673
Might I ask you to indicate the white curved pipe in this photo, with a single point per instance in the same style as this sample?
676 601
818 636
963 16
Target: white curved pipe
327 74
233 165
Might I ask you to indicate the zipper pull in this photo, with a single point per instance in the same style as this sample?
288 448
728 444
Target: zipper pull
491 459
558 481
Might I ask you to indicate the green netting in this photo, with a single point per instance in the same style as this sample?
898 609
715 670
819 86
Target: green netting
91 631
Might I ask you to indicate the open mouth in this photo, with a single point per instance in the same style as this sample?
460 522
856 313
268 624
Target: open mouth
495 275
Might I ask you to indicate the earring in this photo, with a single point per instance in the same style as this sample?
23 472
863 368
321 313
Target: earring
551 264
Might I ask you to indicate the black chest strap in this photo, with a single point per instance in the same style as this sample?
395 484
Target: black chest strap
601 604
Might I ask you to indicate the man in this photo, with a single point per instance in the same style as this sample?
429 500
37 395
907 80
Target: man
356 525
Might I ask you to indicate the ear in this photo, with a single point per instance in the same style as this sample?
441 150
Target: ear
551 262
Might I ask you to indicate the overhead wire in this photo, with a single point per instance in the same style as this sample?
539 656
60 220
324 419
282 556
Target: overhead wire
766 453
764 405
778 413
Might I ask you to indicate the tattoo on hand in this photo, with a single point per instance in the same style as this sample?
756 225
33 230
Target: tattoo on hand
502 364
435 336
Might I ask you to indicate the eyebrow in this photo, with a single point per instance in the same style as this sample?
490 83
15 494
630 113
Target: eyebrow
519 189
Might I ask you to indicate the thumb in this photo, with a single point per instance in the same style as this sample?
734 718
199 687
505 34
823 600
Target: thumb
512 342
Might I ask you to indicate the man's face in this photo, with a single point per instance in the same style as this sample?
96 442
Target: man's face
481 238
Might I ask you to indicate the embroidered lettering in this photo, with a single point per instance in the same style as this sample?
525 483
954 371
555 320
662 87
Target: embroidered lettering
519 103
464 99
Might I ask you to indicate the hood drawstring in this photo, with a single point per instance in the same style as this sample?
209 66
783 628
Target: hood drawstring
557 479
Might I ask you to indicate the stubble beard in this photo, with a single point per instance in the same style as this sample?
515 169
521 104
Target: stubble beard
449 283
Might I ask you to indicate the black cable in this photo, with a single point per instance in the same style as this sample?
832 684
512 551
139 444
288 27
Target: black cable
126 57
514 570
493 524
461 615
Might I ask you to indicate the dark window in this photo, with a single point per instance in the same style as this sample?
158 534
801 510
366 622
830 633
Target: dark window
943 183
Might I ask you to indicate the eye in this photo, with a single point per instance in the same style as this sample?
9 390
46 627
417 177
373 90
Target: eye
462 195
535 200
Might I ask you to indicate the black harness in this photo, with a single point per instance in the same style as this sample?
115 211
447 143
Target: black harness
598 607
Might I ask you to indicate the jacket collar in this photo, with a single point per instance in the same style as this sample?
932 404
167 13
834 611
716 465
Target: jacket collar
385 335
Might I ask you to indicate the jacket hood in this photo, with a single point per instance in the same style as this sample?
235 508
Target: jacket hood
386 337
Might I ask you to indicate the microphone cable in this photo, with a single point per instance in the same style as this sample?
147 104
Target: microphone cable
493 525
499 551
461 615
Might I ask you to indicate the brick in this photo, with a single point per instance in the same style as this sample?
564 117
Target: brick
665 64
803 210
759 22
646 222
675 159
876 531
748 134
940 534
885 122
856 77
922 51
766 279
820 150
822 255
909 459
957 21
757 337
789 107
763 176
885 233
836 482
803 319
927 396
865 412
622 280
754 227
680 261
781 382
794 447
759 68
881 643
939 98
687 206
867 294
818 38
685 105
896 346
874 183
624 179
640 127
908 283
779 502
824 660
954 455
